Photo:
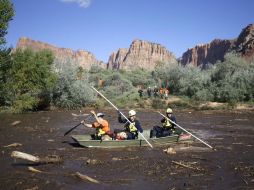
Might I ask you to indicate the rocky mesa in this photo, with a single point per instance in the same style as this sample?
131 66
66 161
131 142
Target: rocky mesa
244 44
140 54
145 54
62 55
216 50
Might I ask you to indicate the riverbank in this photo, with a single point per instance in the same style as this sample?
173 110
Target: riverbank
182 103
175 102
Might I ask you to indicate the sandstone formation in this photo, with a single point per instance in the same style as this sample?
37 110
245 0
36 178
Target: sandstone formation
141 54
116 59
144 54
216 50
206 53
63 55
244 44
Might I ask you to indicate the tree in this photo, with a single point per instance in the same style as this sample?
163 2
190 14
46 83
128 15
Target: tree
6 14
233 80
30 80
72 89
5 64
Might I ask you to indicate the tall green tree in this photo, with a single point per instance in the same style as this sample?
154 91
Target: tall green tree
6 14
5 64
233 80
30 80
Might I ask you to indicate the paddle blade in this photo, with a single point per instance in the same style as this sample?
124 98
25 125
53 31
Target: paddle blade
66 133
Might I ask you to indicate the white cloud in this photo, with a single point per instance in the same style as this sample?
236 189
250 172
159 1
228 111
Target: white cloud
81 3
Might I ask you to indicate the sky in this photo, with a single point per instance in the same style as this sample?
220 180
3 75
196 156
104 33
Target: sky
103 26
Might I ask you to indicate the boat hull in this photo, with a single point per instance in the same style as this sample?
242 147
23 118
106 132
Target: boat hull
86 141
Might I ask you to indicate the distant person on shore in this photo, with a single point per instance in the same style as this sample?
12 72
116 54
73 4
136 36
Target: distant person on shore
131 129
167 128
101 125
140 91
161 92
149 92
155 91
166 92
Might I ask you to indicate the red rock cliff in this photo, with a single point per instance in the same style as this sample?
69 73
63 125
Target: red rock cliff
245 42
216 50
206 53
63 55
141 54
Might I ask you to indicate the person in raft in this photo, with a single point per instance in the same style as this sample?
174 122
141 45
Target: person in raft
131 128
101 125
167 128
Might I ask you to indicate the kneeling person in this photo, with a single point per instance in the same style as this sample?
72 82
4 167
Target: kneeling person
101 125
131 129
167 127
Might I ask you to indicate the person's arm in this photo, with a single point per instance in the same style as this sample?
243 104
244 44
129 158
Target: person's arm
120 119
138 126
95 116
173 118
163 120
86 124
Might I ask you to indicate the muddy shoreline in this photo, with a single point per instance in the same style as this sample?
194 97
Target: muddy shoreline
231 166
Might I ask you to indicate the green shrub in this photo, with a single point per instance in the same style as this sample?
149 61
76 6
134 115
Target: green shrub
72 88
233 80
24 103
30 79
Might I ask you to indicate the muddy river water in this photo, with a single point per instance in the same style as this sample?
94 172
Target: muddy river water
229 166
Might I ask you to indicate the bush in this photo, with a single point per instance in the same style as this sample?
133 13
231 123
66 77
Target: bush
115 85
137 78
72 88
203 95
233 80
23 103
30 80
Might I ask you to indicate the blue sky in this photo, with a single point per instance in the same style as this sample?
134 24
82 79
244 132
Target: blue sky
103 26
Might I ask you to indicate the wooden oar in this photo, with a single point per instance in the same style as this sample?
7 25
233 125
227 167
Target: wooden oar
121 114
66 133
186 130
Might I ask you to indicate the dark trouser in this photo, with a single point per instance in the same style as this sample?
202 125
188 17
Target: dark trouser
158 131
131 135
95 137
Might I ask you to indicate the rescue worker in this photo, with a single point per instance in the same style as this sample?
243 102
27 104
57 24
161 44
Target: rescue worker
155 91
132 128
140 91
166 92
161 92
101 125
167 127
149 92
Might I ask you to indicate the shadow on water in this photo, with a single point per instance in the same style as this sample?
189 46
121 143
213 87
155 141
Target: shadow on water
25 164
73 144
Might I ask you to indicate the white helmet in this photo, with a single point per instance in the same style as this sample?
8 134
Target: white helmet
169 110
132 113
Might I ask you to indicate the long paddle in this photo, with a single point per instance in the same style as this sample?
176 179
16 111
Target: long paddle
66 133
121 114
186 130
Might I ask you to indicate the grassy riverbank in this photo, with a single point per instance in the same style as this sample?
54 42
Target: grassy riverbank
175 102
